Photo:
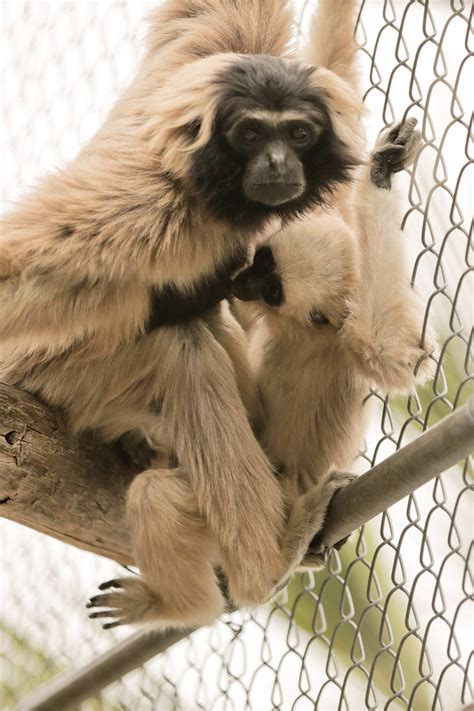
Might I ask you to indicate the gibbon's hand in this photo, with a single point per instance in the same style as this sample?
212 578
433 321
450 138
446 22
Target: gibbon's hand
303 535
395 149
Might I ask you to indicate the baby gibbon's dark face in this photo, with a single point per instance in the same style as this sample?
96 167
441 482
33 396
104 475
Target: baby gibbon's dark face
274 150
262 282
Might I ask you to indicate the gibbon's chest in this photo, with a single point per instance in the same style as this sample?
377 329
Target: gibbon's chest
172 303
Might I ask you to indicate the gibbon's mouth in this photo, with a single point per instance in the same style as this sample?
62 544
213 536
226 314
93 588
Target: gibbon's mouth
274 193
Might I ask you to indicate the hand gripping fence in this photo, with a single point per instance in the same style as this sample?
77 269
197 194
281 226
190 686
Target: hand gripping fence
388 624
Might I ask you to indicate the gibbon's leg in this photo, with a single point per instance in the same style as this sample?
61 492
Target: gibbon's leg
236 490
383 330
331 44
331 41
174 551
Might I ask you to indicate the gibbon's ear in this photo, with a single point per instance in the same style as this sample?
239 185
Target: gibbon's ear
182 112
345 108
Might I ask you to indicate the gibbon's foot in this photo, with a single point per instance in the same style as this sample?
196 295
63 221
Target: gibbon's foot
316 555
131 601
395 149
136 450
122 607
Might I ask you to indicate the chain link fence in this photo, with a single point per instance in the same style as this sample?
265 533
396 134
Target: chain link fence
389 624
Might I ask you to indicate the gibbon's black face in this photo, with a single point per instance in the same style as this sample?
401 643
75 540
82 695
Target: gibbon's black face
263 282
274 150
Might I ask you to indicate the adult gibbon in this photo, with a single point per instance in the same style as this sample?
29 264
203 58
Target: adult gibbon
327 326
112 270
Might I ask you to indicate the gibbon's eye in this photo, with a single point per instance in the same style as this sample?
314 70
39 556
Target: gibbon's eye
251 133
318 318
299 133
273 294
263 260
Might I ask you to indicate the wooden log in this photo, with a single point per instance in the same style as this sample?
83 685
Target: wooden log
72 488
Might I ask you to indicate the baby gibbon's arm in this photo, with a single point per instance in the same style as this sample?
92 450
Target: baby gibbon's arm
384 328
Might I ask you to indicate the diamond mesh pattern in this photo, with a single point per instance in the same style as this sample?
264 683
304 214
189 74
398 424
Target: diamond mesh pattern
389 624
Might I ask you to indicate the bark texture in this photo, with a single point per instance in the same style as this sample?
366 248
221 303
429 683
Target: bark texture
68 487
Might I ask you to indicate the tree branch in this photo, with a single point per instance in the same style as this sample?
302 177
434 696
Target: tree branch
68 487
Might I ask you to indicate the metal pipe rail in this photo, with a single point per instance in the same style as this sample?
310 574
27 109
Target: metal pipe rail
431 453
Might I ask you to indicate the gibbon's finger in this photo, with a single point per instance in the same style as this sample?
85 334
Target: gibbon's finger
405 130
115 583
398 132
412 147
391 152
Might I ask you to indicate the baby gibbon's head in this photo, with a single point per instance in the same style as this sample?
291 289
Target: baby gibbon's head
305 273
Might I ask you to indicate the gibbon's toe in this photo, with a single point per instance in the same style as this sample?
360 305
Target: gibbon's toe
115 583
314 561
129 604
115 610
338 480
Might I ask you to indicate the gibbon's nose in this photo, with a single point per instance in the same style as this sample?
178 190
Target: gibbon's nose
277 160
278 176
246 287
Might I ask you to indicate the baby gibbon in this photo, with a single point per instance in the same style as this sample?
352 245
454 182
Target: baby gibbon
327 326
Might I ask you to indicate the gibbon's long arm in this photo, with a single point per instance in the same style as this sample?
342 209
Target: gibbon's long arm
184 30
384 328
331 41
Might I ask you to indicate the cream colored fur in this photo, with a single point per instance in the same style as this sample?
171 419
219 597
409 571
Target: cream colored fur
80 253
